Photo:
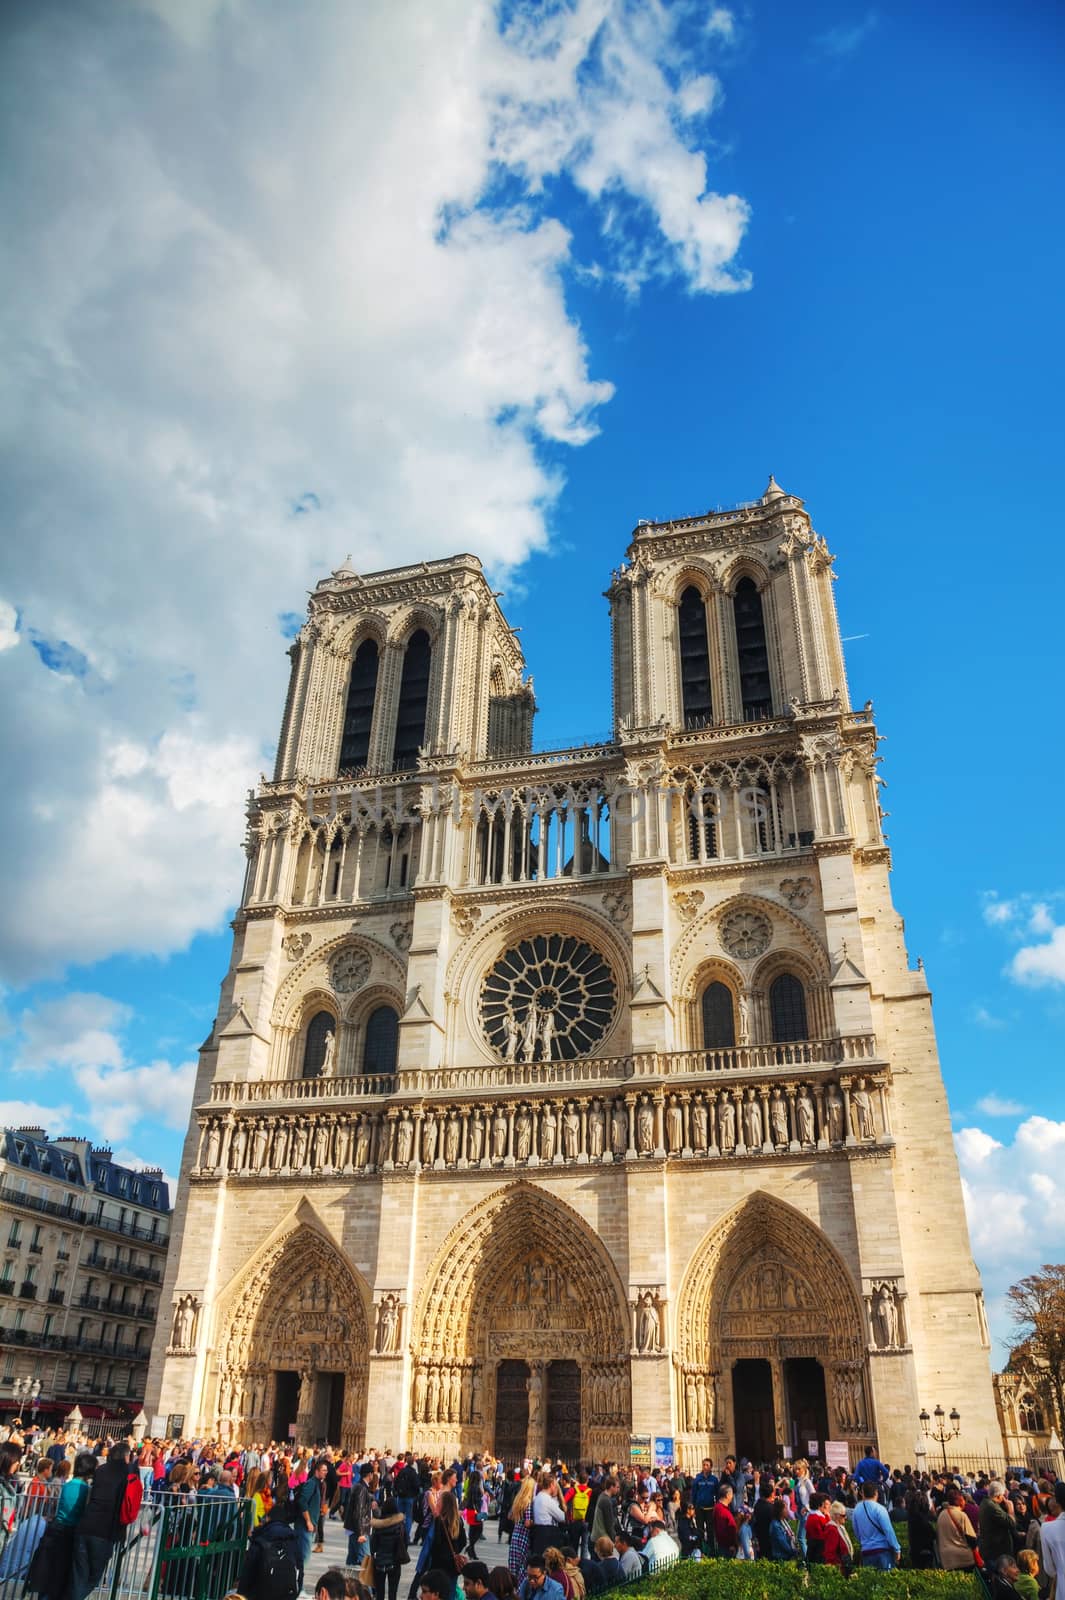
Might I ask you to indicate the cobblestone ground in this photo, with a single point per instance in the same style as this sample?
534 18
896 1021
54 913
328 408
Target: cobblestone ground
490 1550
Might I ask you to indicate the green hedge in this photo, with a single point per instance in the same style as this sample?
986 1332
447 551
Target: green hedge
771 1580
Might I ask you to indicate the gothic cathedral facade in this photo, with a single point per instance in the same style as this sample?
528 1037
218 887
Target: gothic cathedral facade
559 1096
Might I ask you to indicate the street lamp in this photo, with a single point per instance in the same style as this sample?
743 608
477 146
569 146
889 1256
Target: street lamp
941 1432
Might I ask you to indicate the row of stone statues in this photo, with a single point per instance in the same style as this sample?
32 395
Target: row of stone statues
700 1401
445 1393
736 1120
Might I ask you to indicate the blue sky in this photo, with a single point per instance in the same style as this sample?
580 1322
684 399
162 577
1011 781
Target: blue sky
424 279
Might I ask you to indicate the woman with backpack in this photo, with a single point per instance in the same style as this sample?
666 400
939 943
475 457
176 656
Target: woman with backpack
388 1546
273 1565
474 1510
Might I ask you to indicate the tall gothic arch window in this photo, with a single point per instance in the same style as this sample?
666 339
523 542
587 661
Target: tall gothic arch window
751 648
719 1017
321 1025
358 717
382 1040
787 1008
694 660
413 700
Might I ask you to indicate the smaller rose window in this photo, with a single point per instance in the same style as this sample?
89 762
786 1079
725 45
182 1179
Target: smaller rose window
745 934
350 970
551 998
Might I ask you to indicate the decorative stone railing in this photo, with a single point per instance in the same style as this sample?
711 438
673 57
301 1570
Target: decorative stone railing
775 1116
767 1060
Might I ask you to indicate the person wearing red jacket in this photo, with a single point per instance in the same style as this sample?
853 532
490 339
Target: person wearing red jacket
725 1531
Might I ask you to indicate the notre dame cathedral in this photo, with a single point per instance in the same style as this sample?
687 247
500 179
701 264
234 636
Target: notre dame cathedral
560 1095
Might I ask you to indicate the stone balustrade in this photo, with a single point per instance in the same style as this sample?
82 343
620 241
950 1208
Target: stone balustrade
774 1116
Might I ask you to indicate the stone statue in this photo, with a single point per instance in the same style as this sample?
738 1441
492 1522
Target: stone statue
834 1114
752 1122
321 1144
451 1140
699 1124
329 1060
529 1034
571 1132
475 1137
548 1133
419 1394
547 1036
536 1399
214 1145
804 1114
778 1118
513 1034
388 1325
726 1118
404 1141
362 1143
432 1401
648 1323
240 1145
306 1399
260 1139
596 1130
455 1396
522 1134
645 1126
499 1135
619 1129
299 1145
674 1125
428 1140
280 1150
887 1316
863 1111
745 1018
691 1403
341 1144
185 1323
708 1397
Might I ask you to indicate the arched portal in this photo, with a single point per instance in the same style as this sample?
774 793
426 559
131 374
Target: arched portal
771 1348
522 1335
293 1342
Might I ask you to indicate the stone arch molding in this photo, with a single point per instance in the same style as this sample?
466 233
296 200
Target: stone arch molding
700 940
480 1273
298 1306
290 993
765 1279
745 565
477 953
700 573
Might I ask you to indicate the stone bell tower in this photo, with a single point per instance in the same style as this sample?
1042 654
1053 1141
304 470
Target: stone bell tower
556 1096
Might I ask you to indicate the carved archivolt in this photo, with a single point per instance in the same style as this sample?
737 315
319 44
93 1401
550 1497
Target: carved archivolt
766 1275
289 998
522 1274
702 933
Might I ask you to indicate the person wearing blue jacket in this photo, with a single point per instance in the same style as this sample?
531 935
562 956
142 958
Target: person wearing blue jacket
704 1498
873 1529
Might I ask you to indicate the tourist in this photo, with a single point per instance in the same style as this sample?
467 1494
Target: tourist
802 1491
113 1502
548 1511
1000 1578
447 1539
406 1486
49 1572
1026 1582
628 1556
762 1516
574 1571
501 1584
521 1529
921 1527
782 1545
639 1517
726 1532
689 1534
604 1515
661 1546
345 1474
476 1581
40 1485
994 1532
607 1561
555 1567
357 1517
872 1526
870 1470
474 1509
579 1503
537 1584
434 1585
309 1506
1052 1541
388 1546
704 1498
273 1564
332 1585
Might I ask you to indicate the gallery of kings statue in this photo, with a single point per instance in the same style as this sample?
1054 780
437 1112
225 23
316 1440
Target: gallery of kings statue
560 1095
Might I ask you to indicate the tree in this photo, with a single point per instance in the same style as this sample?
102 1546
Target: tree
1038 1307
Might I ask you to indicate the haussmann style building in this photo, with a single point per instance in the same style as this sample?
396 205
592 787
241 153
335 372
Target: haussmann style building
559 1096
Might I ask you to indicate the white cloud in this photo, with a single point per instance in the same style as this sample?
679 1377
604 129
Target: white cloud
1015 1202
8 626
58 1119
256 257
1036 965
1040 920
123 1097
998 912
846 37
993 1105
74 1031
986 1019
721 22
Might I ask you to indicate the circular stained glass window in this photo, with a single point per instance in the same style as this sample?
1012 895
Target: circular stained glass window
550 998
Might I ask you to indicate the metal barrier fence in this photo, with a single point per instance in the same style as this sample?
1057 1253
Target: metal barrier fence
177 1549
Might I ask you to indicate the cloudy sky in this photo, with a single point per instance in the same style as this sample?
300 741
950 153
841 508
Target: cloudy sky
398 279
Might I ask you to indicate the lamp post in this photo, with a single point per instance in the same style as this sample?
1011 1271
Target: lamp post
941 1432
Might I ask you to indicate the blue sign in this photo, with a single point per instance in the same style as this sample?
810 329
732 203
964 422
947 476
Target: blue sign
663 1451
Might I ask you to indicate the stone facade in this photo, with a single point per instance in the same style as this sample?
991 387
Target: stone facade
559 1096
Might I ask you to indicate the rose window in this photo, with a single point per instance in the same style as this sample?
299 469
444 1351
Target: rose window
550 998
350 971
745 934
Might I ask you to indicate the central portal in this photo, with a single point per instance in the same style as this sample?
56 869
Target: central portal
804 1380
752 1407
512 1411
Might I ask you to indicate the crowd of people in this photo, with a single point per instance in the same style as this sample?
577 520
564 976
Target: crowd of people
416 1523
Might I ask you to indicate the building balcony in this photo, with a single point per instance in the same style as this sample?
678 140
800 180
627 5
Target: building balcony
7 1286
114 1308
27 1291
56 1297
810 1056
122 1269
68 1212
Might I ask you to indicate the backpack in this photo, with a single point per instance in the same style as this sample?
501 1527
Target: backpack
280 1578
581 1496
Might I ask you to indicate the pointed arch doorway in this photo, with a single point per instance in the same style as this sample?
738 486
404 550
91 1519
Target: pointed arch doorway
522 1336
